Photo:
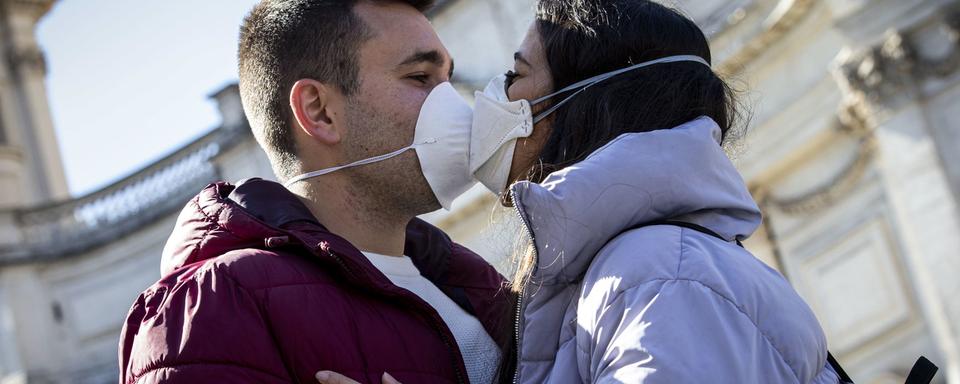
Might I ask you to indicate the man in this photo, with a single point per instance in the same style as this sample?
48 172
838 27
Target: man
269 285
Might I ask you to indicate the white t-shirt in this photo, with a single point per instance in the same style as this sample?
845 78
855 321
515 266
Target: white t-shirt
480 353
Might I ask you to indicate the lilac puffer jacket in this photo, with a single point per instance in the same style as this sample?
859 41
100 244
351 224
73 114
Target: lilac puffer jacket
660 303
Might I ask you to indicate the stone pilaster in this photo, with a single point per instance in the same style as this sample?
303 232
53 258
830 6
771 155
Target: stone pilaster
901 88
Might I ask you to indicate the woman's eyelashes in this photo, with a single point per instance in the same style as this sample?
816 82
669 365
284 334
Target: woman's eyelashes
510 76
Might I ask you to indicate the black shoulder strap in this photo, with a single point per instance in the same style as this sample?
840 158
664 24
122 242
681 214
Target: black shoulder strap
844 378
683 224
923 372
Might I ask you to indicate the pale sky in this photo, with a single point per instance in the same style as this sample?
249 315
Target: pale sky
128 81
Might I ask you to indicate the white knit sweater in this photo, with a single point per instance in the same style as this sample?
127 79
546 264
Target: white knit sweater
480 353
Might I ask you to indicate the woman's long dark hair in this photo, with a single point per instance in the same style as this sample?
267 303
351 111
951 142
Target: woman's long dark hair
585 38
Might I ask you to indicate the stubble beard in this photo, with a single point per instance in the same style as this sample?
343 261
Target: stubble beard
392 189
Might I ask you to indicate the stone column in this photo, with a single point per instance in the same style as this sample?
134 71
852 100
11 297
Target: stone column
28 311
11 370
29 153
904 87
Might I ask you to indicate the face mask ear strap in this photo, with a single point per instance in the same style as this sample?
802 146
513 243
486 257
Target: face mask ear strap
587 83
358 163
544 114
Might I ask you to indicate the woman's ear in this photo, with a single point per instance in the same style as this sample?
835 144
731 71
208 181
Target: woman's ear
312 104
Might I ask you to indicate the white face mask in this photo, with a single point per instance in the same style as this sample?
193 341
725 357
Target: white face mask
442 142
499 122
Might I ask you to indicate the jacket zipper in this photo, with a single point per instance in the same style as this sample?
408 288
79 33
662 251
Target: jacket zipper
437 324
343 265
523 290
453 356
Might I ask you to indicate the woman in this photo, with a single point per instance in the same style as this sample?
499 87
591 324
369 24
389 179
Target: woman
634 212
635 273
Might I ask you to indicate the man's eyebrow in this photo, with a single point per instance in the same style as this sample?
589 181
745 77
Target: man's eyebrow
424 57
519 57
433 57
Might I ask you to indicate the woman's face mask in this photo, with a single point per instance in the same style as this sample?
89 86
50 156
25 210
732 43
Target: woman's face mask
499 122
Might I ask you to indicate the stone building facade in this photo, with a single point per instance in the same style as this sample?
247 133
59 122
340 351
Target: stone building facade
853 151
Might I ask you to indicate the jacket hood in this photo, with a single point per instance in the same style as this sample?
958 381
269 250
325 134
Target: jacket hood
225 217
678 174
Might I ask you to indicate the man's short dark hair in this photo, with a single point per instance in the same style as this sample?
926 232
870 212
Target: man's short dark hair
282 41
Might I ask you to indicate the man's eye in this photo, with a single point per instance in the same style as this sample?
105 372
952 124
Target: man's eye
423 78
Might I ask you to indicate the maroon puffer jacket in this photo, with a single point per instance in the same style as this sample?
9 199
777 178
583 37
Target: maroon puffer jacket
254 290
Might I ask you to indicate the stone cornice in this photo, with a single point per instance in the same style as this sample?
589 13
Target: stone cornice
785 17
726 16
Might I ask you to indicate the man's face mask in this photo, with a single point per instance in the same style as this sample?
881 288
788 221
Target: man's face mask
499 122
442 142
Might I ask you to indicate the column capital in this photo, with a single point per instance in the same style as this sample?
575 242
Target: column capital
892 72
882 74
29 58
35 8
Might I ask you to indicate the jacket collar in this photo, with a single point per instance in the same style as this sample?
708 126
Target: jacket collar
225 217
276 206
678 174
271 203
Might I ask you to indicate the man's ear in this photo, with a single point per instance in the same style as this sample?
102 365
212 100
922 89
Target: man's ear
312 104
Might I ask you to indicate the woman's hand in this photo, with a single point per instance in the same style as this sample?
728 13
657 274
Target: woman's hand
327 377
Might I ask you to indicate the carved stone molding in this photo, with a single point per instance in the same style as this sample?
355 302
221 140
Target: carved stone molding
28 58
35 8
833 190
883 76
850 123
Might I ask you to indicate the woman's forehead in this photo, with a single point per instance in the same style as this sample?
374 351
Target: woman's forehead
531 49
